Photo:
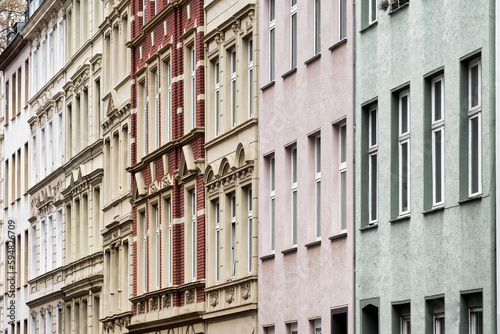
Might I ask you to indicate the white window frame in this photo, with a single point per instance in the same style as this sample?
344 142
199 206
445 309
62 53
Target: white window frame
372 153
343 174
317 185
33 158
59 245
474 112
49 242
217 96
294 328
157 109
50 144
142 216
157 244
42 151
272 201
293 174
316 326
293 34
233 235
144 118
404 139
43 61
193 86
169 89
60 132
405 325
60 35
473 314
272 39
317 27
33 239
437 320
233 87
34 70
193 233
217 241
250 76
437 126
342 19
50 62
372 9
143 12
170 243
250 234
42 245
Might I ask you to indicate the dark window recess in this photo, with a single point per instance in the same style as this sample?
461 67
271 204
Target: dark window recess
395 4
369 319
339 321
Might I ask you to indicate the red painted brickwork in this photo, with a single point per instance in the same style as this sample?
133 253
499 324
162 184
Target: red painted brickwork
177 25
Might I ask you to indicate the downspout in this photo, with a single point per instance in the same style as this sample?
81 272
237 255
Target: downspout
354 156
496 61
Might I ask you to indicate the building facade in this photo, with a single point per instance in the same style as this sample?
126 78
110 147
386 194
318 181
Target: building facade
45 31
306 235
83 167
231 182
14 242
425 195
168 161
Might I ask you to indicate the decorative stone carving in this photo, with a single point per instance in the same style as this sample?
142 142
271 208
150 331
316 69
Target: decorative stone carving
190 296
141 308
42 311
245 290
59 305
33 313
153 304
229 292
219 38
49 309
213 298
166 300
153 187
119 322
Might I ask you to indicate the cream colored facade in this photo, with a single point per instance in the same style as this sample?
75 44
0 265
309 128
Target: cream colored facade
231 175
83 191
115 127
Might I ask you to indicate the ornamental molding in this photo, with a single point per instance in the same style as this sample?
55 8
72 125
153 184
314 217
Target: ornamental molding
213 298
229 292
190 296
245 290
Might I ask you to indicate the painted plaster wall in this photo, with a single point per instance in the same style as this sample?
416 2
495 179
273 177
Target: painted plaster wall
15 135
309 282
452 250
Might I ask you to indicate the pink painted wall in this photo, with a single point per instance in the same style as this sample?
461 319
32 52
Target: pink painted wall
315 99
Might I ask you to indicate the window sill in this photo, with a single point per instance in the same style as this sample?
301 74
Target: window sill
393 11
263 88
313 244
435 209
338 44
368 27
312 59
267 257
289 250
338 236
369 227
400 219
292 71
470 199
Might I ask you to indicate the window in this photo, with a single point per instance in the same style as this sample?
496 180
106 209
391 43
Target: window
474 117
142 107
342 19
343 176
293 33
217 241
143 12
193 233
33 250
250 235
33 158
293 168
25 168
476 320
250 76
41 326
43 61
170 243
269 330
317 184
216 97
156 119
49 242
13 99
69 122
316 326
144 226
233 235
50 61
372 11
26 81
317 26
42 246
6 185
435 316
372 166
59 246
401 317
339 320
404 153
471 313
49 145
97 92
59 152
193 88
438 323
60 35
19 89
437 127
169 103
370 316
157 243
272 200
33 71
405 325
233 88
292 328
272 33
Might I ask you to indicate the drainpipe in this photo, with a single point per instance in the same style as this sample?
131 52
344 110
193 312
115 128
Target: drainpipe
496 60
354 156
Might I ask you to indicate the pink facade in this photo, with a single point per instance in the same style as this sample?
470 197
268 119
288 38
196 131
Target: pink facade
309 274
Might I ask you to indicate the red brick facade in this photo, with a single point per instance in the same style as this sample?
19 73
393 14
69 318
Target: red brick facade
175 13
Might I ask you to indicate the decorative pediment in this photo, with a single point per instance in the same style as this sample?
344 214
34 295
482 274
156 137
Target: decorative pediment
187 166
139 189
81 78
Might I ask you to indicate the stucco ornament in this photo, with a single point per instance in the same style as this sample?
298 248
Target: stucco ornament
213 298
59 305
166 300
190 296
229 294
119 322
153 304
140 307
153 187
245 290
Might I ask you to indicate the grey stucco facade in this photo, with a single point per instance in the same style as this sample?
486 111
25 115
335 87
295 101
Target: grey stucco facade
422 261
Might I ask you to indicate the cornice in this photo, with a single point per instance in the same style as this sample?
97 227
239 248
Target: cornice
45 299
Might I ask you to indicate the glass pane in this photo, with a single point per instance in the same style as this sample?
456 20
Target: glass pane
474 85
271 10
404 114
272 223
294 2
318 209
272 176
250 50
373 186
294 41
474 154
343 22
294 218
437 166
373 127
343 135
318 154
271 55
373 6
343 219
404 177
233 62
294 165
216 73
437 100
250 92
317 32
